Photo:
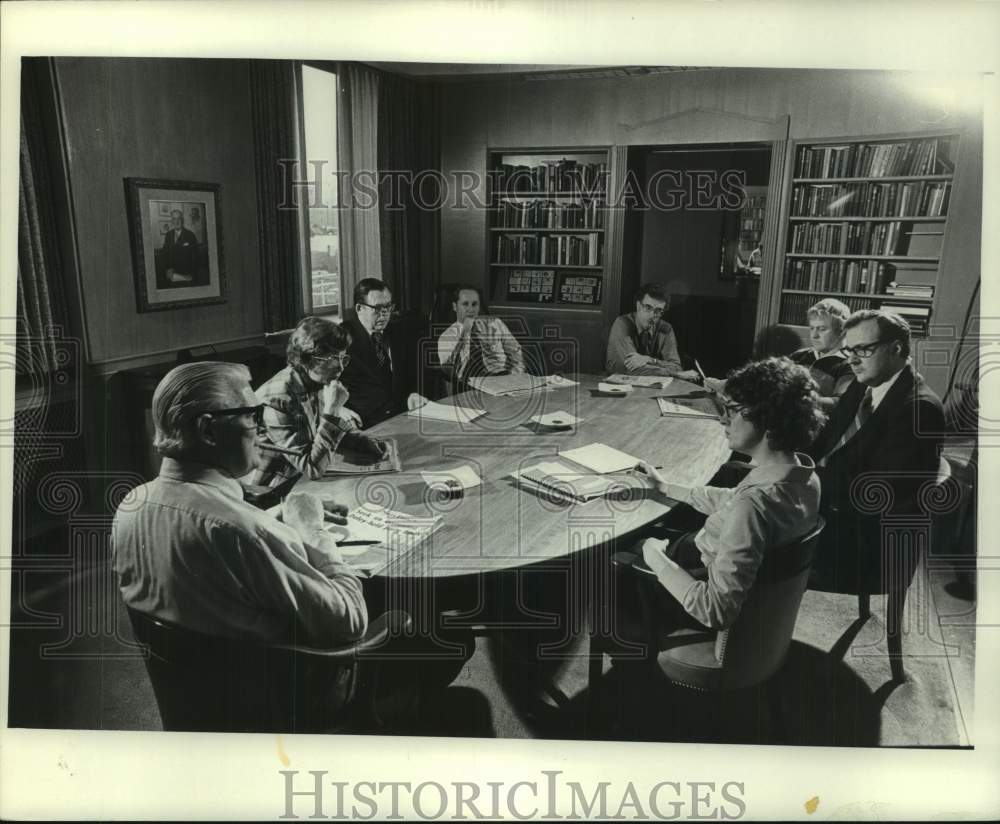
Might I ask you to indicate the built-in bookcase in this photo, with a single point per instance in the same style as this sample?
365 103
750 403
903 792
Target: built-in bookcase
547 227
866 224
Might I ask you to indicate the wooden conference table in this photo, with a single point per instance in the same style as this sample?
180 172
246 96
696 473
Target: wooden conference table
501 526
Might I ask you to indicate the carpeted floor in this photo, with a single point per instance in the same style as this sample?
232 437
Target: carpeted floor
836 684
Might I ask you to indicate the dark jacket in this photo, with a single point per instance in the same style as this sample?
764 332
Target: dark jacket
377 393
181 256
875 477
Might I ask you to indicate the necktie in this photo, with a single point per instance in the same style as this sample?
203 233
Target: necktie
475 365
646 343
863 414
381 350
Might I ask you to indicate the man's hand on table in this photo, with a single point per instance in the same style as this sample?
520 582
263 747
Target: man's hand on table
633 360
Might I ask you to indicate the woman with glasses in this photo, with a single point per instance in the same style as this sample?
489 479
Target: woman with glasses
304 413
772 416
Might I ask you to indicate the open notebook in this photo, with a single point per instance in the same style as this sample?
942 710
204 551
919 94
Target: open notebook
347 462
579 475
375 537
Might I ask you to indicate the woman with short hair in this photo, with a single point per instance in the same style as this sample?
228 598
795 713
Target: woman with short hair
772 415
304 406
827 366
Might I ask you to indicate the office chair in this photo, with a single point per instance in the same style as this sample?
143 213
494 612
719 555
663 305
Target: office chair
208 683
746 654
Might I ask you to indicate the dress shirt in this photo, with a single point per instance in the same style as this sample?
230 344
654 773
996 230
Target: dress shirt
624 340
501 351
295 421
772 505
189 550
879 392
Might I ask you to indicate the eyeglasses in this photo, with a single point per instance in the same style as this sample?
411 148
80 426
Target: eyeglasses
864 350
655 311
733 409
256 411
343 357
380 308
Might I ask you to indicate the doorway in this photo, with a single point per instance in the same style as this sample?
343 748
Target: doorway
693 225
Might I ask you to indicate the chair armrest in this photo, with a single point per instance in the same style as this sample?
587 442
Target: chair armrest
388 624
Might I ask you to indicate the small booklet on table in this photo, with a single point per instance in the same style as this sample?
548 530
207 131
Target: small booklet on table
445 412
353 463
641 380
688 407
579 475
506 384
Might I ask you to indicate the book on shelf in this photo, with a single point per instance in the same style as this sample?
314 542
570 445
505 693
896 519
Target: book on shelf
871 199
348 462
584 249
902 158
564 175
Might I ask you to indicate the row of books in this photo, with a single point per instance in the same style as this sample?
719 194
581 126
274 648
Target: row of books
869 276
906 157
847 239
548 214
910 290
551 176
914 198
794 307
560 250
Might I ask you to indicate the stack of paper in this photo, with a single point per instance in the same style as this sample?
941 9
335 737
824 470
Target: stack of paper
443 412
506 384
600 458
559 478
641 380
701 408
375 536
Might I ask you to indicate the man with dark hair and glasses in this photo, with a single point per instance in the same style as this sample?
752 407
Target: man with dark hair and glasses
189 550
306 414
374 376
642 343
886 429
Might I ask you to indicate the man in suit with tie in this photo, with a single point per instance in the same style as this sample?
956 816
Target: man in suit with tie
886 430
374 375
180 251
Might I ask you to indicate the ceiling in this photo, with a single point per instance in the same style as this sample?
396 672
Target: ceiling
458 72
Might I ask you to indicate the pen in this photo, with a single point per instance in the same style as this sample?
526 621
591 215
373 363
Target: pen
698 367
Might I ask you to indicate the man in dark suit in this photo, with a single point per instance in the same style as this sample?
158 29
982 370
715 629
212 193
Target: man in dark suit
880 445
180 251
374 376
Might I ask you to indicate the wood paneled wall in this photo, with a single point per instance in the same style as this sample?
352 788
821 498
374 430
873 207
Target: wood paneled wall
705 106
153 118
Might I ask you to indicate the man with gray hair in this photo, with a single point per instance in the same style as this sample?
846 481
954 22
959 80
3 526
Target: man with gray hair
189 550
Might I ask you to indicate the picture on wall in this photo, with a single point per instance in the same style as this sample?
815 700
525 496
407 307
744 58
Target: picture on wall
177 253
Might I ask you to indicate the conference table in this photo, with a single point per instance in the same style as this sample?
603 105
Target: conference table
501 525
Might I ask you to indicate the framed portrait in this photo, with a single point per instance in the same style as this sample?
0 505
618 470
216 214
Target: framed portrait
177 253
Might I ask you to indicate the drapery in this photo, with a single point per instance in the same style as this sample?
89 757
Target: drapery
409 208
272 94
357 161
41 300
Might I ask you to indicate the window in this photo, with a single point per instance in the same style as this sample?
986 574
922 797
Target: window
319 147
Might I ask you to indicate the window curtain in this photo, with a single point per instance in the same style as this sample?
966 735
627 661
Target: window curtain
357 159
42 310
272 94
409 149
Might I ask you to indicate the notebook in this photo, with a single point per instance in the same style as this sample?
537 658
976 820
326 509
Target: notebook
444 412
506 384
375 536
600 458
561 479
688 408
641 380
352 463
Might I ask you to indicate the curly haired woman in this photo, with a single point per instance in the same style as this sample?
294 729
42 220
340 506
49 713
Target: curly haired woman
772 415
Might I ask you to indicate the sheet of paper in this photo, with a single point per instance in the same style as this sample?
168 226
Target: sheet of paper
555 419
559 382
672 407
600 458
444 412
641 380
465 476
614 388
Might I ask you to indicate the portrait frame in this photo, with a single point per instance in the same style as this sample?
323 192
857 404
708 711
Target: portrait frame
175 227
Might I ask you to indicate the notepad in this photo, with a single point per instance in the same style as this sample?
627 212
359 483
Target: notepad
443 412
506 384
558 478
641 380
347 462
600 458
375 536
696 408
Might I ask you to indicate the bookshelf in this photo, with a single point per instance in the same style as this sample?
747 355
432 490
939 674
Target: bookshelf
865 223
547 228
